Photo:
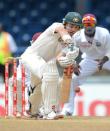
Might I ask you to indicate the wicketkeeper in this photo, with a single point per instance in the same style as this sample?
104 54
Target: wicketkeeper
94 43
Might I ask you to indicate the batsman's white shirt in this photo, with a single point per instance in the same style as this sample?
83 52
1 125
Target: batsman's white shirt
98 48
48 44
46 47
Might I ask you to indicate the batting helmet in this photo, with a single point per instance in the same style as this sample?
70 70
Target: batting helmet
89 19
73 18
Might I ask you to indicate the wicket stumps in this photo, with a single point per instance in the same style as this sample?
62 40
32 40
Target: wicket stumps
14 63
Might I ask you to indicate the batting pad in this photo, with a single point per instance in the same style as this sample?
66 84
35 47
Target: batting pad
36 99
36 66
49 90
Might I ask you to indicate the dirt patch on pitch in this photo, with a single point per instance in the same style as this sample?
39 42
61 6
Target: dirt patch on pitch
68 124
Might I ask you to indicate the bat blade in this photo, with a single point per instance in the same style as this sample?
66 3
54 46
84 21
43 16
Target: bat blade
65 85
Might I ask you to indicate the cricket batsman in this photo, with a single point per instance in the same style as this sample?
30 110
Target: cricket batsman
50 86
48 45
49 101
43 53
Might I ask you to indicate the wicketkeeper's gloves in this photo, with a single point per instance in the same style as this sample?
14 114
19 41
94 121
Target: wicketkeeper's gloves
102 61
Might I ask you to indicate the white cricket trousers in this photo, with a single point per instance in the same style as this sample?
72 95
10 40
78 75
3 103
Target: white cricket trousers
87 68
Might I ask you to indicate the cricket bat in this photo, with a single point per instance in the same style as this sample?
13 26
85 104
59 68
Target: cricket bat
66 83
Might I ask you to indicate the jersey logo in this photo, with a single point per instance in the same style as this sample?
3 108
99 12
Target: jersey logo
98 44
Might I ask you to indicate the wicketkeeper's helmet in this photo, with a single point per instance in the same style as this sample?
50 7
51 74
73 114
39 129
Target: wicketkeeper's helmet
73 18
89 19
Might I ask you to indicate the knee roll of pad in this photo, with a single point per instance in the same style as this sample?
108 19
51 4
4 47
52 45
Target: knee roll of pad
50 77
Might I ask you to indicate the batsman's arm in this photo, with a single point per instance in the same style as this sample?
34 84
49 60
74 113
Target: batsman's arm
64 34
69 73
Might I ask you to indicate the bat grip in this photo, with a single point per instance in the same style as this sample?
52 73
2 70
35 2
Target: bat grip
69 71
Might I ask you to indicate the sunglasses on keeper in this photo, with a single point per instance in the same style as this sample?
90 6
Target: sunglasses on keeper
89 24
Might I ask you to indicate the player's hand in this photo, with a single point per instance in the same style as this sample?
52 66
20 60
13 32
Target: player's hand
102 61
76 69
73 54
71 69
100 65
67 39
65 62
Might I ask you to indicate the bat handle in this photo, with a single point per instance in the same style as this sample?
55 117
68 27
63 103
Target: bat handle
69 73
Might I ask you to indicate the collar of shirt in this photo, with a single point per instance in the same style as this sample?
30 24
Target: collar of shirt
83 37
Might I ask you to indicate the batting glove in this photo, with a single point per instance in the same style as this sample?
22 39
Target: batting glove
73 54
102 61
67 39
65 62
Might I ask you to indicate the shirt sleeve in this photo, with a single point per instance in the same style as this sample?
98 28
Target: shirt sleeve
53 27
